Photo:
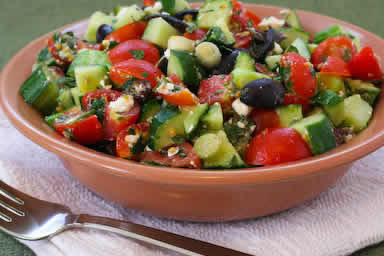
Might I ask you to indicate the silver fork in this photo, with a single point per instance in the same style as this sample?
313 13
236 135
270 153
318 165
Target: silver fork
28 218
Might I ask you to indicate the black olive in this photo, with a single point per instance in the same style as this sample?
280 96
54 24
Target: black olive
180 15
163 65
141 90
228 62
102 32
263 93
263 42
180 25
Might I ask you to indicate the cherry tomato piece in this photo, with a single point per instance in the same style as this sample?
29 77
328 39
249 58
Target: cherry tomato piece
148 2
335 66
275 146
188 159
134 49
130 31
366 65
139 69
107 95
124 147
212 90
264 118
198 34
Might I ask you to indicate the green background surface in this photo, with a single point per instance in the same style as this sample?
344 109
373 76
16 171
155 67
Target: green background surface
24 20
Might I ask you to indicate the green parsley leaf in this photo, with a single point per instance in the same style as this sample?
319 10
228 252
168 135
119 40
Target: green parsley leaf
178 139
191 28
68 82
98 105
145 74
137 54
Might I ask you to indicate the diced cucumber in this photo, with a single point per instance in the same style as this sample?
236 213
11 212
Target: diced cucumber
40 92
193 117
90 78
97 19
186 67
76 96
291 35
65 99
367 91
207 145
212 10
331 82
89 57
336 113
242 77
318 132
216 36
149 110
165 126
127 15
289 115
225 157
312 48
292 19
273 61
158 32
174 6
213 120
222 23
327 98
245 61
300 47
357 112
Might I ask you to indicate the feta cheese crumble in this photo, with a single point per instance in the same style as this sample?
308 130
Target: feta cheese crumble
271 21
241 108
122 104
173 151
131 140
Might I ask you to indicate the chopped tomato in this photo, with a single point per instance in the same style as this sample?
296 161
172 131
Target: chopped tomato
241 23
240 9
139 69
184 97
366 65
339 46
334 66
131 149
130 31
107 95
254 18
213 90
134 49
80 127
292 99
275 146
175 79
184 158
148 2
264 118
198 34
115 122
300 75
243 39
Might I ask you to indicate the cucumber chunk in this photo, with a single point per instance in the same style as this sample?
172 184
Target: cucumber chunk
225 157
212 10
367 91
65 99
291 18
336 113
273 61
193 117
357 113
331 82
89 57
207 145
158 32
214 119
292 34
217 36
149 110
289 115
245 61
40 92
127 15
174 6
242 77
97 19
76 96
318 132
186 67
90 78
223 25
300 47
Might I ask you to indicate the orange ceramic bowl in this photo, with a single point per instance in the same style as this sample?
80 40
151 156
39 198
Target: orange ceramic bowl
193 195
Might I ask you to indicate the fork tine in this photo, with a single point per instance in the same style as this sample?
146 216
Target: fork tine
5 217
7 204
11 193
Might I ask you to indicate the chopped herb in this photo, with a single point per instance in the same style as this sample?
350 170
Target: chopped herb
191 27
175 89
155 163
237 12
99 106
164 152
178 139
218 92
129 83
137 54
69 134
44 55
250 23
145 74
112 44
347 57
68 82
325 58
313 72
181 153
131 131
222 77
139 147
327 98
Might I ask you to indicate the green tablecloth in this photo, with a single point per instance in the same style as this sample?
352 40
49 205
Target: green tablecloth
22 21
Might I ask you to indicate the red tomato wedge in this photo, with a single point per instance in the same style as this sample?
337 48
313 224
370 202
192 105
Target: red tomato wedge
108 95
264 118
85 130
212 90
198 34
181 98
339 46
148 2
139 69
188 160
302 78
275 146
240 9
123 147
128 32
335 66
366 65
134 49
116 122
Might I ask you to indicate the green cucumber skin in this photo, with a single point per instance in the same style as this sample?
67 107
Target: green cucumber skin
293 20
245 61
300 47
89 57
292 34
289 115
193 118
214 119
158 32
210 12
149 110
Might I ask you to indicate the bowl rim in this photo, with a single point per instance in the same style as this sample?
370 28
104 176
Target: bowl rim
167 175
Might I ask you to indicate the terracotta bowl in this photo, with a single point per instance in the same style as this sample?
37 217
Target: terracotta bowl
192 194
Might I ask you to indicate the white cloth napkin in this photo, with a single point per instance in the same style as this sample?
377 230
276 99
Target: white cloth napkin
347 217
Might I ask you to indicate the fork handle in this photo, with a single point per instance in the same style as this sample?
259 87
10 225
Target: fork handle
174 242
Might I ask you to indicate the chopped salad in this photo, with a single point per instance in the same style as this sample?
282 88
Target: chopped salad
211 88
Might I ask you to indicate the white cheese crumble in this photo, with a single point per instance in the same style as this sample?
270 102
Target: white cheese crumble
173 151
122 104
167 53
241 125
158 6
131 140
271 21
277 49
165 88
241 108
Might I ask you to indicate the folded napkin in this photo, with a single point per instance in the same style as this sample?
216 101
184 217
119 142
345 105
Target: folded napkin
341 220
